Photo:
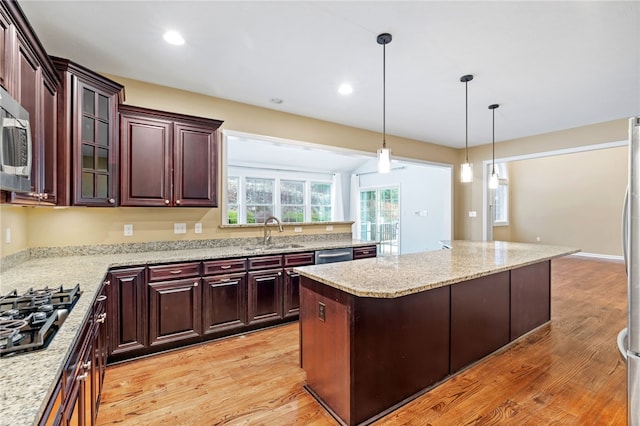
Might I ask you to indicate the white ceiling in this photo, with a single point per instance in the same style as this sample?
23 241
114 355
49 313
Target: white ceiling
550 65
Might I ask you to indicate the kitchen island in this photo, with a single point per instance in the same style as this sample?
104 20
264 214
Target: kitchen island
377 333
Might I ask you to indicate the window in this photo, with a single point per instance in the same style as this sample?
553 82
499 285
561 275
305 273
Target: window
292 200
501 210
259 199
232 200
320 202
254 199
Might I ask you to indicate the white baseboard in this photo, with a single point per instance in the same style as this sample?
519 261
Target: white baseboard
600 256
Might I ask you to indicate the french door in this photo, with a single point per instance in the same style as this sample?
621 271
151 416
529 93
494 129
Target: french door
379 218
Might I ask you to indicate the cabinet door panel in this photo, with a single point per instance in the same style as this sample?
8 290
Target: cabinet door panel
265 295
530 297
127 310
146 161
291 293
195 163
174 310
225 302
7 34
479 318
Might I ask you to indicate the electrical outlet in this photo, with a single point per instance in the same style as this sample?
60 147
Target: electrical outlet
473 213
179 228
329 228
128 230
297 229
7 235
198 228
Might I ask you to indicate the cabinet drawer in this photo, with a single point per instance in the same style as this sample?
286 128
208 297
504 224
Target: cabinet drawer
265 262
299 259
176 270
363 252
213 267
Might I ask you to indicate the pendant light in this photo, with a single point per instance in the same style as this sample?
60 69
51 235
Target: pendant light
384 154
466 169
493 180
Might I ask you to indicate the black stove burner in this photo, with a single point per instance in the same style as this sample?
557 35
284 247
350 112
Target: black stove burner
29 321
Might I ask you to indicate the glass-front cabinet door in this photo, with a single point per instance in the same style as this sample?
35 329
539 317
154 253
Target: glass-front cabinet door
96 150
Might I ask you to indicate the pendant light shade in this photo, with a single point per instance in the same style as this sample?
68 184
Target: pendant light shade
466 168
384 154
493 180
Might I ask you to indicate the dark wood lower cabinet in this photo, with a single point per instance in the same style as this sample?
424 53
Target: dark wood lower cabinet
174 311
224 306
291 296
128 311
265 295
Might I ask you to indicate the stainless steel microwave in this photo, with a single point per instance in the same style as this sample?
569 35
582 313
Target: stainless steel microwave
16 146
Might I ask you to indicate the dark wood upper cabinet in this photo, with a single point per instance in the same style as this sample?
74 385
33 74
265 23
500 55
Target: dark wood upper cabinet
167 159
88 136
27 74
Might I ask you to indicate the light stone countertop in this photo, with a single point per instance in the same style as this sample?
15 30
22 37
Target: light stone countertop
395 276
28 379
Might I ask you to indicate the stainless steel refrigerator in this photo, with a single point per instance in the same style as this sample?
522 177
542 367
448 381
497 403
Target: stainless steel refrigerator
629 338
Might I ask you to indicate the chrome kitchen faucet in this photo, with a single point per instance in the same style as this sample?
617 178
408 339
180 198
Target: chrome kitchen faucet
267 231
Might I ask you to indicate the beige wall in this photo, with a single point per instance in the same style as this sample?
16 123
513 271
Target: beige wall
572 200
15 219
469 196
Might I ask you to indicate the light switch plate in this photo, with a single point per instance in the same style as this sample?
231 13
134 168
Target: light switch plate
128 230
179 228
7 235
329 228
198 228
473 213
297 229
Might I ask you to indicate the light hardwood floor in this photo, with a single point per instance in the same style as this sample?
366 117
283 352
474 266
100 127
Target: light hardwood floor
567 372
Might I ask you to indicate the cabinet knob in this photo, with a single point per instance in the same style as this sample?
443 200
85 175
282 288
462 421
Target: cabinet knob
86 365
178 202
166 202
112 201
279 274
195 284
108 282
101 298
101 318
82 377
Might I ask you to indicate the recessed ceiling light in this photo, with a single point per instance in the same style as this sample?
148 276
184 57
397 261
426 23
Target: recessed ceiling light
345 89
275 100
173 37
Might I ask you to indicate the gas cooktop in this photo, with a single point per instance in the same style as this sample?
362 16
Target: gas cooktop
28 321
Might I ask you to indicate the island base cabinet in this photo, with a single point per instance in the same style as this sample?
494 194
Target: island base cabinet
479 318
530 297
363 355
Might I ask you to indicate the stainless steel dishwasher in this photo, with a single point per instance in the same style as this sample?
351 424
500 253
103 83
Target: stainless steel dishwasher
334 255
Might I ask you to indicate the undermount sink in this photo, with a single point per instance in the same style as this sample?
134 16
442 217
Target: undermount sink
270 247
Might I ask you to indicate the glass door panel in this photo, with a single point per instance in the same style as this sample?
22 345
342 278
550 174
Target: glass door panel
380 218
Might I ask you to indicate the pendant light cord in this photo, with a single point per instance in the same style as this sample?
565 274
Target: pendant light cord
466 122
493 143
384 95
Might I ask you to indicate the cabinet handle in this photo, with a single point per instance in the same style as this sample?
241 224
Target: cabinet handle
112 201
82 377
101 318
365 252
225 267
86 365
166 202
101 298
176 271
108 282
178 202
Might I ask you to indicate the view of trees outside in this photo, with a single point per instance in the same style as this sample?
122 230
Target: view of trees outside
320 202
292 200
259 198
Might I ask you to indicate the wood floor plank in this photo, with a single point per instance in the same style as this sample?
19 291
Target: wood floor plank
566 372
